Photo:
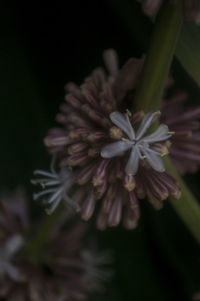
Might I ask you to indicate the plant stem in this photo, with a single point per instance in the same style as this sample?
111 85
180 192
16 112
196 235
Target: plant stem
186 206
34 247
159 56
156 69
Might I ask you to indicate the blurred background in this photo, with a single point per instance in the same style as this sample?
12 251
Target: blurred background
43 46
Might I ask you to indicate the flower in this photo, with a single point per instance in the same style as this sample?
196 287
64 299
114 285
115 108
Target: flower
183 121
140 146
93 124
66 269
190 8
56 186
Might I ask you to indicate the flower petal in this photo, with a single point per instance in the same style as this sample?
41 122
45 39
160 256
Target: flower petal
114 149
148 119
123 123
133 162
154 160
160 134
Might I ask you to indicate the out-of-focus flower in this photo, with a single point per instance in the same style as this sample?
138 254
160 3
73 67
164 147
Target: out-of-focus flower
115 160
185 143
191 8
56 187
68 270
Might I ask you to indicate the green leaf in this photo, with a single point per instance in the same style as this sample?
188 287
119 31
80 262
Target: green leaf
188 50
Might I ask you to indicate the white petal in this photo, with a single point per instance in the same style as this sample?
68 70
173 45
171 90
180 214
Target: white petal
123 123
46 174
148 119
55 195
154 160
12 271
114 149
54 205
160 134
13 245
133 162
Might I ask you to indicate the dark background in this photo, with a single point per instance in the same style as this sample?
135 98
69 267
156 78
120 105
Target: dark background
43 46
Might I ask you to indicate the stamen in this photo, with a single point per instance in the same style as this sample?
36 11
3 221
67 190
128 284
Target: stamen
128 112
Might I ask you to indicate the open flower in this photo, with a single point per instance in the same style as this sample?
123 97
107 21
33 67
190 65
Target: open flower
114 161
67 270
139 144
56 187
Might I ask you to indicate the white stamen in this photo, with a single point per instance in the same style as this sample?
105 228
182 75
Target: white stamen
11 246
59 183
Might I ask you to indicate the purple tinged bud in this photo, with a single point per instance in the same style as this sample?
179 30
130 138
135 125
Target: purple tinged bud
133 200
108 199
86 174
100 189
77 159
101 172
95 136
115 212
76 148
73 101
102 221
88 206
156 203
131 217
78 133
129 182
95 116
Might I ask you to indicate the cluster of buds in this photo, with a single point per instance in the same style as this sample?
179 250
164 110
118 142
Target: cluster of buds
112 157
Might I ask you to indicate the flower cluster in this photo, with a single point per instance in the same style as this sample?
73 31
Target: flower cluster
66 271
114 156
190 8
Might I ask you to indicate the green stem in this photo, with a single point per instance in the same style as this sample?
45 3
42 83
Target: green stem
156 69
159 56
186 206
35 246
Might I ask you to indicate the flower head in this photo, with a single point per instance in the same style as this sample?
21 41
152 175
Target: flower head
113 159
70 270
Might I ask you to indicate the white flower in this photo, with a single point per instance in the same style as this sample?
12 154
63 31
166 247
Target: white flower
56 187
9 249
139 144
